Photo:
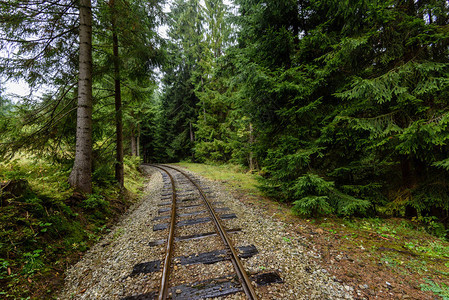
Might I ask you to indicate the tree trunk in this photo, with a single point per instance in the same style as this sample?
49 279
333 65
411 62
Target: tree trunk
192 137
251 141
133 144
204 104
81 176
407 182
192 140
138 141
119 171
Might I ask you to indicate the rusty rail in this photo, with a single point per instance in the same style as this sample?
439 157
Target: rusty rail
163 290
238 266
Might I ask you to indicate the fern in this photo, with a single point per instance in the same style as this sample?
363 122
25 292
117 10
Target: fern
444 164
439 290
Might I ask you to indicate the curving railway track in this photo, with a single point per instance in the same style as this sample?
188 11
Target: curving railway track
187 213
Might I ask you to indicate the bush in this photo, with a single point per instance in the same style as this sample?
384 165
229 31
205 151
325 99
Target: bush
95 201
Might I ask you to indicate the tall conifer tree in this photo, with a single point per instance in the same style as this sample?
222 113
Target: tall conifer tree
81 175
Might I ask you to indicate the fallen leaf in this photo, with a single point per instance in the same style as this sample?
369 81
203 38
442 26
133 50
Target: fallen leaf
29 280
9 271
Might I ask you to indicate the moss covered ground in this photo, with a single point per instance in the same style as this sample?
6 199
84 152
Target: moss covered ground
48 226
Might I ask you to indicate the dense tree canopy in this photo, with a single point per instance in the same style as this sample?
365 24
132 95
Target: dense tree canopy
341 106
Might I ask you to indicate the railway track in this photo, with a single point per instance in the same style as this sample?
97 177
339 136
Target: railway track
193 223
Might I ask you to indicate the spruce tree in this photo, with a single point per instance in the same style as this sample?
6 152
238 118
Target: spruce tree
350 92
81 176
40 40
39 45
126 49
184 52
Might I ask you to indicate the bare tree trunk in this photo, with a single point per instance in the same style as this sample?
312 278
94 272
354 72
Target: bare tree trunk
407 182
138 141
192 138
204 104
251 142
119 171
133 144
81 176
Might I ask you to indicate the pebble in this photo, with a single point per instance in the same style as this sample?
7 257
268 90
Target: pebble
363 286
280 247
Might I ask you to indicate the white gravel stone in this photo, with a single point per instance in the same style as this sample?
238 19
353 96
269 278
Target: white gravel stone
103 273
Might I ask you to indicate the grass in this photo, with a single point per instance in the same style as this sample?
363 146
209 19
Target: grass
399 243
403 247
232 175
45 229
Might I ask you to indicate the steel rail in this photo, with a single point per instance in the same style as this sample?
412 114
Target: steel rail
163 290
238 266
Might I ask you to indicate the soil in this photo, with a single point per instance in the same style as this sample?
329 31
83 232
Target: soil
121 265
355 266
316 258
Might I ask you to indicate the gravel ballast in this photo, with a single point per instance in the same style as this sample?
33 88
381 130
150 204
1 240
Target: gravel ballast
104 271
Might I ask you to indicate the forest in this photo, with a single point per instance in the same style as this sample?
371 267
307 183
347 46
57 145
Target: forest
340 107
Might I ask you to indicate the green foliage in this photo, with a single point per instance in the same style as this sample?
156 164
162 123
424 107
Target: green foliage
441 290
442 164
353 91
317 196
341 105
33 262
40 46
95 202
434 249
313 206
38 43
45 228
432 225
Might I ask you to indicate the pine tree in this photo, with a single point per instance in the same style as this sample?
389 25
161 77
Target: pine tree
183 56
39 45
212 134
40 41
127 49
350 92
81 175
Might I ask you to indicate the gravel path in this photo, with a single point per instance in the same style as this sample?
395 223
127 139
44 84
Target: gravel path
104 271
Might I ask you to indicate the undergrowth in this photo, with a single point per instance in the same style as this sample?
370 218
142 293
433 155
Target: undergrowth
48 227
414 246
441 290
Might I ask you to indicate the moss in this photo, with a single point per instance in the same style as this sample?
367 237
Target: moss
48 228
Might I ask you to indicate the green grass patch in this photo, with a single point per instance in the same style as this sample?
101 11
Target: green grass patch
234 176
45 228
402 246
133 179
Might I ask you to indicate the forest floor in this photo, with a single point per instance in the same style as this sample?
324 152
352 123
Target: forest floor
383 258
379 258
45 227
108 269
